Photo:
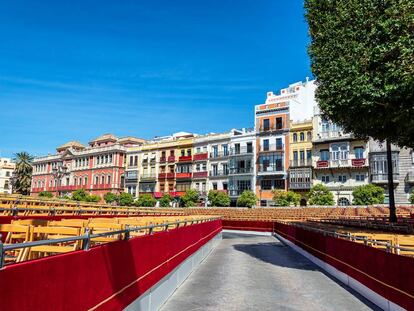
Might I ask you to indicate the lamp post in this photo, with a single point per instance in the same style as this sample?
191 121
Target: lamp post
58 173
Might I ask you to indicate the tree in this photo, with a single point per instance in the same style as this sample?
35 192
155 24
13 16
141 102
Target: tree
111 197
22 180
145 200
93 198
126 199
190 198
218 198
165 200
247 199
80 195
361 55
45 194
320 195
286 198
367 195
412 196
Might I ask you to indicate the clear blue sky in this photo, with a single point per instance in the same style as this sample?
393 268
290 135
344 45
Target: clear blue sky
73 70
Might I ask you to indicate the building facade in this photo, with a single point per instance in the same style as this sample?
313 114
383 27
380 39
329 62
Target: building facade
6 171
97 168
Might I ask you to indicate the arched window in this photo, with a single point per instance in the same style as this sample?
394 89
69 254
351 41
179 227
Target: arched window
302 136
295 137
75 181
96 180
86 181
109 179
309 136
102 179
343 202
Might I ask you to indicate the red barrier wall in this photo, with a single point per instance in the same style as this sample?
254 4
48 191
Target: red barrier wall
390 275
247 225
107 277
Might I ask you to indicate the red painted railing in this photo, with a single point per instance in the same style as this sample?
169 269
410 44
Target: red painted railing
171 159
183 175
358 162
200 156
163 159
185 158
322 164
200 174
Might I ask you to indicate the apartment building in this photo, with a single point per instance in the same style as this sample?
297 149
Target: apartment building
403 170
340 161
242 164
218 162
272 123
6 170
98 167
300 154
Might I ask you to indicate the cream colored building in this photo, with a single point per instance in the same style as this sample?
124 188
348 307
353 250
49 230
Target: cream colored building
6 169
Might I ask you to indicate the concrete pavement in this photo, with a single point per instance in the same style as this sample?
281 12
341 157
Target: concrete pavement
247 272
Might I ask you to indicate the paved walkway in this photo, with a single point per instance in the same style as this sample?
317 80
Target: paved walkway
247 272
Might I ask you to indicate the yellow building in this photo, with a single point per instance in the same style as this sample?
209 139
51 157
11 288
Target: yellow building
300 155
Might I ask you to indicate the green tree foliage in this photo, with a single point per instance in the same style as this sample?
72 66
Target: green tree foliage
165 200
286 198
111 197
125 199
412 197
145 200
23 173
368 194
320 195
190 198
45 194
93 198
80 195
247 199
362 55
218 198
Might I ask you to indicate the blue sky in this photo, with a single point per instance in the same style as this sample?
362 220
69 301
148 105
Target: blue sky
73 70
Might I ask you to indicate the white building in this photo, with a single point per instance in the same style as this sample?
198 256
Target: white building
6 170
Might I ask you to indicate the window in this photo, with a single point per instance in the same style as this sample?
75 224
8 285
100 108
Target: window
214 186
359 152
225 149
325 125
302 155
339 151
266 125
360 177
302 136
295 156
295 137
224 186
96 180
266 184
342 178
265 145
325 179
102 179
279 123
309 134
7 174
343 202
109 179
324 155
182 152
215 151
131 161
309 155
249 147
75 181
86 181
237 148
279 144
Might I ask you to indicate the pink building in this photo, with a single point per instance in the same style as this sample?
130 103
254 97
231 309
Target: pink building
97 168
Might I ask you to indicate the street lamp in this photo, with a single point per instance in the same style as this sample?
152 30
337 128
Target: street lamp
58 172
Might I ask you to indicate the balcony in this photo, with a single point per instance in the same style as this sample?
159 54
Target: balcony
217 155
219 173
300 163
163 159
270 129
342 163
236 192
300 185
383 178
131 176
183 175
147 177
241 170
241 151
358 162
166 175
272 148
200 174
201 156
171 159
271 170
99 187
185 159
332 135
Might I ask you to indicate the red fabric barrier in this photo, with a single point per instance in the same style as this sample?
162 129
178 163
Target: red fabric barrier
390 275
107 277
248 225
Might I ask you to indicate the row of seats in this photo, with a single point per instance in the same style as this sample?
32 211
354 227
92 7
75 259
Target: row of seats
27 230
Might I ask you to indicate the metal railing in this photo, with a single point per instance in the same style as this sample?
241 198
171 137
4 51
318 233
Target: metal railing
348 236
86 238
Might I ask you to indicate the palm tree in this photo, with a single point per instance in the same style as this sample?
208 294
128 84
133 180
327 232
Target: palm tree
23 173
